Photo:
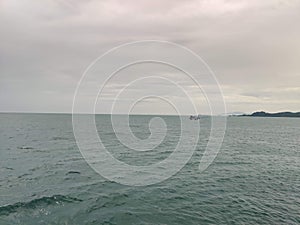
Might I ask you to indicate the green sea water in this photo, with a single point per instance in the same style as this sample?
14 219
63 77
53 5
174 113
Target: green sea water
255 179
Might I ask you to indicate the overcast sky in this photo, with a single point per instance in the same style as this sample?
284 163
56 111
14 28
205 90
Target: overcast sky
252 46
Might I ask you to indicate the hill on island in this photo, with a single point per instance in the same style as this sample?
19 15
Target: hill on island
278 114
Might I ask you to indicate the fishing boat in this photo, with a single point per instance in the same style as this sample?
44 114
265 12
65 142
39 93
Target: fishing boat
195 117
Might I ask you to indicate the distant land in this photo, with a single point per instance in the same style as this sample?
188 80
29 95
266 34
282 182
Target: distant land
278 114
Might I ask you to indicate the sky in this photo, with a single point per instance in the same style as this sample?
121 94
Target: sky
253 48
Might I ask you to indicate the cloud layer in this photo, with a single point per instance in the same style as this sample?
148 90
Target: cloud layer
252 46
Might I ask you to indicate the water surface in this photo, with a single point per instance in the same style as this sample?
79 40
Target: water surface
255 178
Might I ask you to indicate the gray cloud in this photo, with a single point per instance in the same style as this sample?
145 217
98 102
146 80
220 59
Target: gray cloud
252 46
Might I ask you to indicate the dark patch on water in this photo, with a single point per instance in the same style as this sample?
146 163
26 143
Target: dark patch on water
73 172
24 175
25 147
8 168
59 138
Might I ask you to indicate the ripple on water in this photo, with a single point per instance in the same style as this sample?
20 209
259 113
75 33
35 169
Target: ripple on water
36 203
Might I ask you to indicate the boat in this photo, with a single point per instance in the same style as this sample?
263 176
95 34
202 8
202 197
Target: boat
195 117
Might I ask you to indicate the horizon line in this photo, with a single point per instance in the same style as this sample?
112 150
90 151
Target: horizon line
121 114
143 114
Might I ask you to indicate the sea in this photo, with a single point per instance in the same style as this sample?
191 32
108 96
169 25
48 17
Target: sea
44 179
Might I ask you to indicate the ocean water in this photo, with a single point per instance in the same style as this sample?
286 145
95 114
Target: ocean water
255 178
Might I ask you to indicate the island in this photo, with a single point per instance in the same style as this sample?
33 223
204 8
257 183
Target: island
278 114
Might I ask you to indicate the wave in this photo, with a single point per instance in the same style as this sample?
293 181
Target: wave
59 138
25 147
35 203
73 172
